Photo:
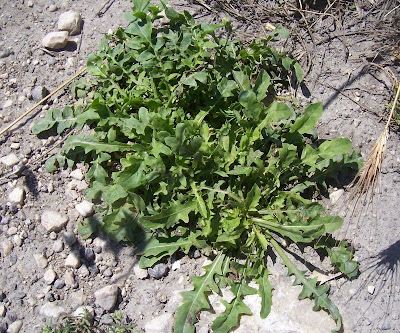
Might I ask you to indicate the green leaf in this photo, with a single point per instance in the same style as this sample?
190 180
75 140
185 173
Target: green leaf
253 198
248 100
167 218
242 80
235 308
298 71
226 87
305 123
196 300
265 291
310 289
331 149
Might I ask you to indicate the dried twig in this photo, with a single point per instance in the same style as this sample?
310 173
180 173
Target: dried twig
83 70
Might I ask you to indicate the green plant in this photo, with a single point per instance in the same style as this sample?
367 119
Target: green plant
189 146
82 324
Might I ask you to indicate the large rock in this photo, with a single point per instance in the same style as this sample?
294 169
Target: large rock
55 40
52 310
160 324
53 221
70 21
106 297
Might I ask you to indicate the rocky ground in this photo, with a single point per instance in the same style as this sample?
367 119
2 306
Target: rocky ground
47 270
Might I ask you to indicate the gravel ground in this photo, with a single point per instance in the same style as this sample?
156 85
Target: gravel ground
47 270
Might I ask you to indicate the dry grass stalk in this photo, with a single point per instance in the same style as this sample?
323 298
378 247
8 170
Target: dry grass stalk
364 184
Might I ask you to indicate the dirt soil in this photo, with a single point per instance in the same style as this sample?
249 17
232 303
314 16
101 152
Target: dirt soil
355 97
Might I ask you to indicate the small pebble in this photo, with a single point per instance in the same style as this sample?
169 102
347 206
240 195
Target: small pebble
158 271
73 260
59 284
69 238
49 276
58 245
371 289
40 260
108 272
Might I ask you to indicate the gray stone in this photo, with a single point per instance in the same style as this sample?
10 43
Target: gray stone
9 160
55 40
83 271
69 238
38 93
59 284
17 195
15 327
58 245
53 221
52 310
70 21
160 324
158 271
106 297
108 272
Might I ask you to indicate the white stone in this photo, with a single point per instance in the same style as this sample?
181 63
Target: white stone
106 297
9 160
52 310
15 145
371 289
55 40
176 265
53 221
70 21
17 195
40 260
335 196
82 310
140 273
69 278
52 8
7 247
2 310
58 245
77 174
12 231
73 260
15 327
17 240
85 208
7 103
49 276
160 324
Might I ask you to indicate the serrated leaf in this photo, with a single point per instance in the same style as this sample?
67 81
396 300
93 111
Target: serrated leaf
196 299
234 309
310 289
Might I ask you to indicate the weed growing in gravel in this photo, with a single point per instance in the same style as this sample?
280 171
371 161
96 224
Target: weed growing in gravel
82 324
188 146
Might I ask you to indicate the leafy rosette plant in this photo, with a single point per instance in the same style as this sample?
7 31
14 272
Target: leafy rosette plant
188 145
